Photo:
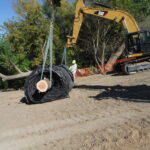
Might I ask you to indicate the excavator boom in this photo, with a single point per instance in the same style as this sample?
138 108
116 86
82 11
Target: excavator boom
114 14
137 43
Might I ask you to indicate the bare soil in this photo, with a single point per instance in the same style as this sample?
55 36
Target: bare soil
103 113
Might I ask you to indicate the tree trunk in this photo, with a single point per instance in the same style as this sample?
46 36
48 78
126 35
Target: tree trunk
112 60
103 58
12 77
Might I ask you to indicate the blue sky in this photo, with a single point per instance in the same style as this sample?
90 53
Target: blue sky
6 10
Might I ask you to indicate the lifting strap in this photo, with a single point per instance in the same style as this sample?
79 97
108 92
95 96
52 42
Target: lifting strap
49 46
64 57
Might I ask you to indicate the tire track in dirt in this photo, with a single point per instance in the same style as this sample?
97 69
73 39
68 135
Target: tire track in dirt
24 138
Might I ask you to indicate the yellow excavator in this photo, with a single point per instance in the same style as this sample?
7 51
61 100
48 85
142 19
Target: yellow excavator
137 42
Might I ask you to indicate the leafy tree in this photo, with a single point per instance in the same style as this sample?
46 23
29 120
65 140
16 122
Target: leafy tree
138 8
145 24
6 56
7 60
27 33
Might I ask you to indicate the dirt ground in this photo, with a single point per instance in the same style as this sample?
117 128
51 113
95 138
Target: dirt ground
103 113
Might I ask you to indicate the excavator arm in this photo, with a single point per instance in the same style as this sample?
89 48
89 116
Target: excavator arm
114 14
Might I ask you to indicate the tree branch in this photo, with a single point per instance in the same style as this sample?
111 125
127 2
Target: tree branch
12 77
15 66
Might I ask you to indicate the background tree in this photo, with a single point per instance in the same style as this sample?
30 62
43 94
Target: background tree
138 8
7 61
27 33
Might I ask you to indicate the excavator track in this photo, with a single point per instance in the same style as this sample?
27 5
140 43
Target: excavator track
134 66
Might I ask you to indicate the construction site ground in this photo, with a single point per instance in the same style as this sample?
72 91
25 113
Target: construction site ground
110 112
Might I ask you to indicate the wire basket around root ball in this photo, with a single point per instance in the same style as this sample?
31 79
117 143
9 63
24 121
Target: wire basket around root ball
62 83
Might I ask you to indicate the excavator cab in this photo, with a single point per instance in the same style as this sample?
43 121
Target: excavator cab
138 42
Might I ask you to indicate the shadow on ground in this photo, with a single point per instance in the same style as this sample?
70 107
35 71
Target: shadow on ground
139 93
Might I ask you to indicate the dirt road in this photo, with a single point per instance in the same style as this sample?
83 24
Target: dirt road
103 113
